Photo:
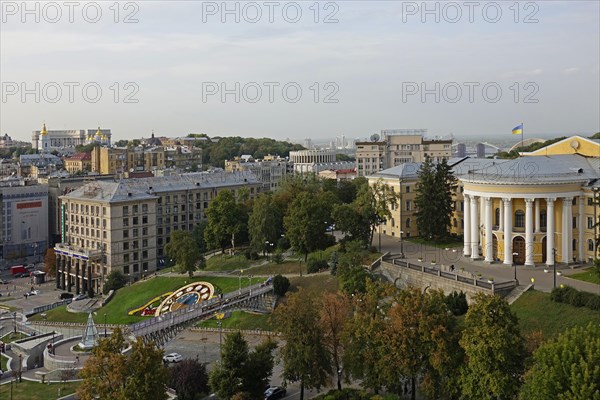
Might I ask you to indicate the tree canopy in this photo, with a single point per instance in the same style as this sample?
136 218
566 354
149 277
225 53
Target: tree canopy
183 249
226 218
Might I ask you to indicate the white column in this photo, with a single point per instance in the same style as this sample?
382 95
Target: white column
550 231
501 222
581 227
537 216
474 227
489 240
508 231
567 229
467 224
529 232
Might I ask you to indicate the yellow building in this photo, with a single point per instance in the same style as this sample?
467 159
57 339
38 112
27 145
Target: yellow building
79 162
506 209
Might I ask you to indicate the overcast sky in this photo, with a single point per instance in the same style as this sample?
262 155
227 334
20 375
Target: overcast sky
361 74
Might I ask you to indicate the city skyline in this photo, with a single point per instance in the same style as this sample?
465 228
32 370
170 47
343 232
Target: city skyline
387 64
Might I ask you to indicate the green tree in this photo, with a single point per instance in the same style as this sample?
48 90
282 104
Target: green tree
198 234
335 310
382 198
358 219
110 374
241 370
226 218
351 274
434 199
305 357
183 249
306 221
189 379
265 225
494 350
115 280
420 343
281 284
567 367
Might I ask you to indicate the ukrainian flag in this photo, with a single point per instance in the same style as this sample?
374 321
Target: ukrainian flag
518 130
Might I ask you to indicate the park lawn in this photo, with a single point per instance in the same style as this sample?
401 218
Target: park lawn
3 362
587 275
37 391
225 262
315 283
136 295
287 267
537 312
241 320
11 337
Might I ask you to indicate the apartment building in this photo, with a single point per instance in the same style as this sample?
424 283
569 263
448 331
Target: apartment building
270 171
124 225
79 162
399 147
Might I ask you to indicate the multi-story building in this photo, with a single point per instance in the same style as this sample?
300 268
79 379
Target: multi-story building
23 219
6 142
110 160
46 140
124 225
185 158
315 161
338 175
145 158
270 170
530 210
78 162
399 147
39 165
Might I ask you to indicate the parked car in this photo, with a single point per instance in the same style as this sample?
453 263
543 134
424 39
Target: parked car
22 275
65 295
172 358
34 292
275 392
80 297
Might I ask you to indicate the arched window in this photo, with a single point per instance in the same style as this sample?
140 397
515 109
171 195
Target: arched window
408 222
590 245
497 217
519 219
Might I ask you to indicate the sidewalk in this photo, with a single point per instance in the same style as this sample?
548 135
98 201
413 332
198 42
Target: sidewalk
500 272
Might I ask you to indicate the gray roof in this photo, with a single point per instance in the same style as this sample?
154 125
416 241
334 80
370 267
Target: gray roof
148 188
39 159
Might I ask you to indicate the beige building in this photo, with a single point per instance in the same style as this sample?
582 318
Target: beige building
109 160
397 149
530 210
79 162
270 171
338 175
124 225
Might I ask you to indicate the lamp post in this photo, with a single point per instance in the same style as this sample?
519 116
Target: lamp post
104 325
15 320
240 280
554 265
515 265
401 245
171 263
250 280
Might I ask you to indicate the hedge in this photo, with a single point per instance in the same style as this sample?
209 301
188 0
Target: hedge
570 295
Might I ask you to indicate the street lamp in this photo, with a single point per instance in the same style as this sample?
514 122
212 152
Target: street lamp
15 320
554 265
515 254
401 245
240 280
104 325
250 279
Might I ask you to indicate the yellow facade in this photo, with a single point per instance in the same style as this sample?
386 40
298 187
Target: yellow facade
572 145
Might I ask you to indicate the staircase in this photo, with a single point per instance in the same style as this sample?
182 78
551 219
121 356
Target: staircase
517 292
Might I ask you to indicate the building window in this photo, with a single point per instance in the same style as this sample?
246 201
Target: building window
126 269
407 205
144 231
125 221
590 201
574 202
145 243
125 210
136 256
144 208
543 219
455 223
574 223
136 209
407 189
125 233
145 254
519 219
574 244
462 224
145 219
462 206
497 217
590 223
126 257
408 222
590 245
126 246
136 268
136 220
136 232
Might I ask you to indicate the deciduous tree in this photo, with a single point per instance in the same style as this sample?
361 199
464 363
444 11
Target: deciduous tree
567 367
494 350
265 224
305 358
183 249
189 379
109 374
50 261
335 310
226 218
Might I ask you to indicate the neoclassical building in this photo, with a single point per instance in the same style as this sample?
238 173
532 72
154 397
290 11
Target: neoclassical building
536 209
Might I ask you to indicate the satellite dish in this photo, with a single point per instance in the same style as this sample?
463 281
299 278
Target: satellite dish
375 137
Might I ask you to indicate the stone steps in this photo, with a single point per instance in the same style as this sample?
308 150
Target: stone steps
517 292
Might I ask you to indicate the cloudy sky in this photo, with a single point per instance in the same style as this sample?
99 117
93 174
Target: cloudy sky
297 70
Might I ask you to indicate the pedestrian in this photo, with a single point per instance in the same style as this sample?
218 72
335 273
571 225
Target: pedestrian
452 268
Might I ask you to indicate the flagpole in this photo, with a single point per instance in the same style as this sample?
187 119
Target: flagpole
522 133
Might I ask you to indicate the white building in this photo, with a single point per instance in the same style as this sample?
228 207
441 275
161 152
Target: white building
46 140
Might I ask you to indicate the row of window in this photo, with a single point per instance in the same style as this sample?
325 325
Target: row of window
86 209
135 209
135 256
136 268
135 220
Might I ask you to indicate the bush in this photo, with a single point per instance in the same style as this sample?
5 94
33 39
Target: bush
316 266
283 243
572 296
593 302
277 257
251 254
281 284
115 280
457 303
561 294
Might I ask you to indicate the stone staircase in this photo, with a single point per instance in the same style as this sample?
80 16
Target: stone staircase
517 292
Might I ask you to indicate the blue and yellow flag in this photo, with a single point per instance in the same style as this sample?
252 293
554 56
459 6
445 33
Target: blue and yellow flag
518 130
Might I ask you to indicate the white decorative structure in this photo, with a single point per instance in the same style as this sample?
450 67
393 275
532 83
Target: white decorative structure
89 339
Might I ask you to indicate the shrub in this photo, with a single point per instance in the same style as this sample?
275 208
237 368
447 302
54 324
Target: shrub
277 257
593 302
281 284
283 243
572 296
251 254
576 298
316 266
457 303
561 294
